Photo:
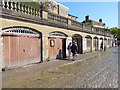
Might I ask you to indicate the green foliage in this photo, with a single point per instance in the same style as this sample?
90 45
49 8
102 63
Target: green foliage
44 6
106 29
115 31
87 23
32 4
36 5
101 29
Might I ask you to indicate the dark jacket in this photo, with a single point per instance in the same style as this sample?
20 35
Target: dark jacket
74 49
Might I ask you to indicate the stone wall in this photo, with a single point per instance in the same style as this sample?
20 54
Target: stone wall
45 30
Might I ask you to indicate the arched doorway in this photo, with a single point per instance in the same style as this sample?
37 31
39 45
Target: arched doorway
21 46
57 45
105 43
100 43
109 43
88 43
78 39
95 43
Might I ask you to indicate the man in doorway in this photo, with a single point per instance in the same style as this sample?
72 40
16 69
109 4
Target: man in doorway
74 50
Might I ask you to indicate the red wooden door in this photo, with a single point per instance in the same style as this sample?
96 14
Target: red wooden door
21 50
54 50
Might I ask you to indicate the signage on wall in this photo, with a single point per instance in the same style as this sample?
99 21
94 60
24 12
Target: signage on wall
52 43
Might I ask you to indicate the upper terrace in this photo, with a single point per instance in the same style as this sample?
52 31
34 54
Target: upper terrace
20 11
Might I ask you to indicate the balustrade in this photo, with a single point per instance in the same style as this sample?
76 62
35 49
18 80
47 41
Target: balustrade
87 28
75 23
56 18
19 7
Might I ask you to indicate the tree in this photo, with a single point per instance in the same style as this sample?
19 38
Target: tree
116 32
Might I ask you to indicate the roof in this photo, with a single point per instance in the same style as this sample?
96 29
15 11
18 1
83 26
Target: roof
98 26
96 21
72 15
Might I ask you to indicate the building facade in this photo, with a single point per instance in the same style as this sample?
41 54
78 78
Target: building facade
32 37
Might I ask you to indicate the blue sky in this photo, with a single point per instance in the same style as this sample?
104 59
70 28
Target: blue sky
107 11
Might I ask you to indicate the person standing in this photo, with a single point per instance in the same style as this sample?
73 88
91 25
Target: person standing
74 50
69 50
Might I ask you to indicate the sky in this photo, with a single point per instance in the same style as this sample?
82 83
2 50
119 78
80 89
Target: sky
119 15
107 11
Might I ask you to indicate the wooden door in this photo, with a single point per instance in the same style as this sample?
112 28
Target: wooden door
21 50
55 49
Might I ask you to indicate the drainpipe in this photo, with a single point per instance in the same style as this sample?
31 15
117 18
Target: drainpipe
104 39
41 48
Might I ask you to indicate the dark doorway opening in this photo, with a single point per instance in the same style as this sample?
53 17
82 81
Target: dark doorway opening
89 43
64 48
78 40
95 42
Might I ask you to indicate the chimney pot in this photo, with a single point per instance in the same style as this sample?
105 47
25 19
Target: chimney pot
87 18
100 20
